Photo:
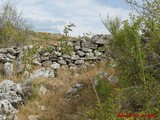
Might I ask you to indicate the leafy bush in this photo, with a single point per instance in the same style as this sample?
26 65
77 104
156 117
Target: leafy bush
14 29
136 53
68 28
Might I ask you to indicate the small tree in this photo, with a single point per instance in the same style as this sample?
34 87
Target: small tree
112 24
14 29
136 45
68 28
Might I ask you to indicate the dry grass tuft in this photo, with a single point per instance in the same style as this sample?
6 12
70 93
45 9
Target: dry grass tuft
56 107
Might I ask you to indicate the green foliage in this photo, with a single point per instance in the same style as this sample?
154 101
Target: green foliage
129 55
35 89
136 53
112 24
14 29
49 49
106 109
103 89
66 49
68 28
29 55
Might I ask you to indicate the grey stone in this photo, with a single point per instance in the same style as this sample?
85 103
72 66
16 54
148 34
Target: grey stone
3 50
30 47
90 55
74 57
62 62
77 47
19 66
97 53
99 39
10 56
86 50
68 61
47 63
42 90
79 62
79 86
8 69
10 97
42 73
57 53
60 58
80 53
7 111
55 65
46 54
72 90
44 59
12 51
25 48
96 81
65 56
113 79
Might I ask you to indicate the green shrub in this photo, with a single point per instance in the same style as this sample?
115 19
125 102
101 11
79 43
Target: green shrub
14 29
49 49
136 53
35 89
66 49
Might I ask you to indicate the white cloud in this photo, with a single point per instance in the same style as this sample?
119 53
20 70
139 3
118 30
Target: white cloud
53 15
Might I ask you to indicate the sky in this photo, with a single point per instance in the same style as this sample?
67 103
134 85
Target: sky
53 15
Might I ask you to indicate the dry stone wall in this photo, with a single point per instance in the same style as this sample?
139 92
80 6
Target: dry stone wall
72 53
84 51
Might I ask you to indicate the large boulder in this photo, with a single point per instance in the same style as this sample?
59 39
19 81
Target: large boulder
42 73
7 111
10 91
11 96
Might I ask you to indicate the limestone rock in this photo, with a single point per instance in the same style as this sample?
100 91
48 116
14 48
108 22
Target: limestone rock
79 62
55 65
42 73
65 56
47 63
62 62
90 55
8 69
7 111
97 53
113 79
77 47
30 47
86 50
19 66
80 53
42 90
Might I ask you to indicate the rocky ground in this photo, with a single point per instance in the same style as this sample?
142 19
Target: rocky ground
32 73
